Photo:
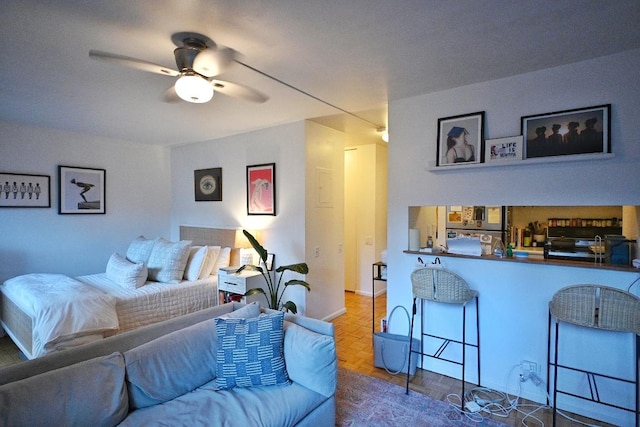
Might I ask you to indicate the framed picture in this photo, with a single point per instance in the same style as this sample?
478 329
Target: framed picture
460 139
261 189
503 149
570 132
207 184
18 190
81 190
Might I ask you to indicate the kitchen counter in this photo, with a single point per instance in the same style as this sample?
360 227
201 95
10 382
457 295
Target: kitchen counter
535 256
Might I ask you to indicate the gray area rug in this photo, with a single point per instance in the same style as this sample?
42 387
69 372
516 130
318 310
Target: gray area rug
366 401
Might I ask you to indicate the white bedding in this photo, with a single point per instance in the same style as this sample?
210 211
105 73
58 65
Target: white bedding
65 309
155 301
71 311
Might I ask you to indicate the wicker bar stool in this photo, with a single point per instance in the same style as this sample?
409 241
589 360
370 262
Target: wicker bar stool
434 284
598 307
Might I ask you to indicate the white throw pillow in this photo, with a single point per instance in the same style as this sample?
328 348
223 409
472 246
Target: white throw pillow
126 273
195 262
209 262
140 249
168 260
223 260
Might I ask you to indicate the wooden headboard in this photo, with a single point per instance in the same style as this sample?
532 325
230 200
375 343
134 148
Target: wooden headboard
200 236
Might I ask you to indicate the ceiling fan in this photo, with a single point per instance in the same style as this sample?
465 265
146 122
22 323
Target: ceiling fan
199 60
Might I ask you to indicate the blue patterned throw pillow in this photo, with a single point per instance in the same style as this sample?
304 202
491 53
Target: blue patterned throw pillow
250 351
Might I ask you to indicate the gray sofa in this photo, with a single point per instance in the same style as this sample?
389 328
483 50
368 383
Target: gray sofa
165 375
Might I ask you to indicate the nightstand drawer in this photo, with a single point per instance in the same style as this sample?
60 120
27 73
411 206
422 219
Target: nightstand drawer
230 283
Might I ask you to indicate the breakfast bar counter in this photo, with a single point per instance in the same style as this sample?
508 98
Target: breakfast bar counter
514 295
535 257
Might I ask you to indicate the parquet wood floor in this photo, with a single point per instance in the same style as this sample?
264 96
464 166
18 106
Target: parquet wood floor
355 351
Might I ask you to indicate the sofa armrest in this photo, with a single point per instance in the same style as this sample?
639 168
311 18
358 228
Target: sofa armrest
310 357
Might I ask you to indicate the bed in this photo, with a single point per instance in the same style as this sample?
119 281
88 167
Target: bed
41 318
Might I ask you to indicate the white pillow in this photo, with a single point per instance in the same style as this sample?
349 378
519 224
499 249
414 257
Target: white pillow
140 249
195 262
168 260
125 273
223 260
209 262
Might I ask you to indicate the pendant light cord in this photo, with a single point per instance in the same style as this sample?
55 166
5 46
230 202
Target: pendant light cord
378 127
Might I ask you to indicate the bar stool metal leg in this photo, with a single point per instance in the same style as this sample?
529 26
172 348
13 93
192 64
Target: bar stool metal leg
478 336
555 375
464 344
413 315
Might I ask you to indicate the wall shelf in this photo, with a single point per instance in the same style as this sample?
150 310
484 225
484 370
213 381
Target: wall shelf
537 161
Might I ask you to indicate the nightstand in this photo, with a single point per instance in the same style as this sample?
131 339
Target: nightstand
232 285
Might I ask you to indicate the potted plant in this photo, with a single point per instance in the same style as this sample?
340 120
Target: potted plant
274 293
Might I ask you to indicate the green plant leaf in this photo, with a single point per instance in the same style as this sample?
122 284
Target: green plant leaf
301 268
262 252
298 282
291 306
250 267
274 293
254 291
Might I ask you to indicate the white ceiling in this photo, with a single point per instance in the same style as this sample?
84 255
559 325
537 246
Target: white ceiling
354 54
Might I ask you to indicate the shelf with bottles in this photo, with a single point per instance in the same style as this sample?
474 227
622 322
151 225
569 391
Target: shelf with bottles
585 222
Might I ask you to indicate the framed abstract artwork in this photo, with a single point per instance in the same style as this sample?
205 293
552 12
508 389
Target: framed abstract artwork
18 190
261 189
81 190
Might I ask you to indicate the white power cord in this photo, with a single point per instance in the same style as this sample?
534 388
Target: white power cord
481 402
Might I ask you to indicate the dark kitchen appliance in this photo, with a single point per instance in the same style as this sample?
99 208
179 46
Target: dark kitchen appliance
582 243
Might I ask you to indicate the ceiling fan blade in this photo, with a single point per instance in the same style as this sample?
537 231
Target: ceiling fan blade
210 62
239 91
132 63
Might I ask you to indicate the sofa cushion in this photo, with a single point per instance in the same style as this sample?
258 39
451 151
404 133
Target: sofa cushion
268 406
125 273
89 393
171 365
311 359
168 260
250 351
249 311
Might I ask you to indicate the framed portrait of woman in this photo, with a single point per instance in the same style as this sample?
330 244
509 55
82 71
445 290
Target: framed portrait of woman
460 140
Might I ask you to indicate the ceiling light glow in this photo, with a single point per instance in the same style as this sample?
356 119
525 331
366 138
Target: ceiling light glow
194 88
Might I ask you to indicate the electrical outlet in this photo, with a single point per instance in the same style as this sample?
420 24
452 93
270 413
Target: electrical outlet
316 251
528 370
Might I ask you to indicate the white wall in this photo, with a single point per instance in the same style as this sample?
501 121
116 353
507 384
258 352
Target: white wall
413 125
40 240
324 220
284 234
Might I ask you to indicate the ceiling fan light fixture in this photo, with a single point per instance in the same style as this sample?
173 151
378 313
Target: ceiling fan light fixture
194 88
